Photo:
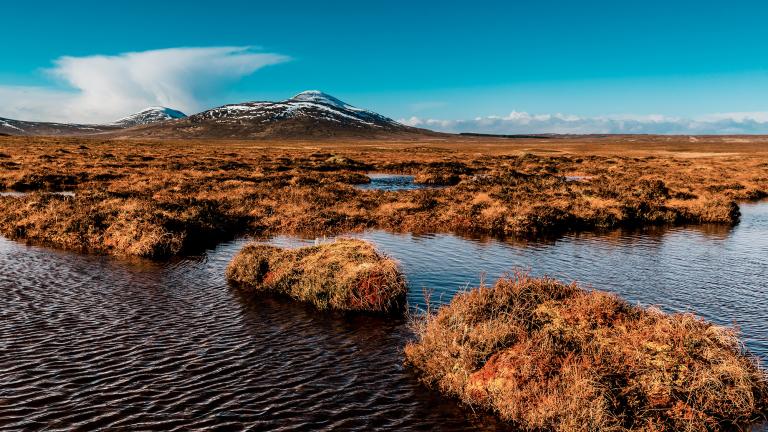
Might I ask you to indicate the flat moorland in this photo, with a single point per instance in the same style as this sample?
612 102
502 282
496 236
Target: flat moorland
166 197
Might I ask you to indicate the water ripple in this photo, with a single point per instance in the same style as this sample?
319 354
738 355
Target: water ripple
93 342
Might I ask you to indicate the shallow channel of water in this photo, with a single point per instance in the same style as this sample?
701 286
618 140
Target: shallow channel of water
88 341
17 194
390 182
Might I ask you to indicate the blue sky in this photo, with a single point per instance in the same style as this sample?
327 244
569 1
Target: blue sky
446 61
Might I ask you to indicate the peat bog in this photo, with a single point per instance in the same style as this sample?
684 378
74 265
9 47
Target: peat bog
161 199
158 199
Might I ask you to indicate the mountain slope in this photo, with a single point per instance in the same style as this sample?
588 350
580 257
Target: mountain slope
19 127
147 116
309 114
150 115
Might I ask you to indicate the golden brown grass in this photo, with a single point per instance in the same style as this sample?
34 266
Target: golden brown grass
346 274
161 198
547 355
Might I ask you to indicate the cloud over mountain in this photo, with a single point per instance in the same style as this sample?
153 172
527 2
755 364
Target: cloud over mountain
103 88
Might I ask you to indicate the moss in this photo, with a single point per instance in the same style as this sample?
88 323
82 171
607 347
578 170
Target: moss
346 274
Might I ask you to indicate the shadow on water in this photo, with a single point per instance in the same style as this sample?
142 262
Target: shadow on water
89 341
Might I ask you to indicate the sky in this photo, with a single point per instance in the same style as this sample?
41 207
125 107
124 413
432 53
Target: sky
490 66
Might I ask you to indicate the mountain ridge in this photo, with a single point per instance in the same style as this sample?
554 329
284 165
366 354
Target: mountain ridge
10 127
309 114
149 115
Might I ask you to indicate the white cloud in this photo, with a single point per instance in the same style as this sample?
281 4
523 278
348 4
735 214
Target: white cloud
33 103
525 123
105 88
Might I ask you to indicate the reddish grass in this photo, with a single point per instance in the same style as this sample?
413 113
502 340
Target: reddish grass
546 355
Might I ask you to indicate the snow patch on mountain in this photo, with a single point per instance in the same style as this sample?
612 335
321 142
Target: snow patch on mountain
316 96
150 115
310 105
4 123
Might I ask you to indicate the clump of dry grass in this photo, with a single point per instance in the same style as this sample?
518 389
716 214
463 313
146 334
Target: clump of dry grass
346 274
546 355
103 223
437 178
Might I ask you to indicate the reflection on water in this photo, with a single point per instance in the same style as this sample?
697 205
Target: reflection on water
91 342
390 182
715 271
88 342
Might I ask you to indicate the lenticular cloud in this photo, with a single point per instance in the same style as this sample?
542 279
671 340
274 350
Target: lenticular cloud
104 88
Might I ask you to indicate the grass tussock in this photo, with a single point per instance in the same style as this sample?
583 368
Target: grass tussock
103 223
346 274
437 178
547 355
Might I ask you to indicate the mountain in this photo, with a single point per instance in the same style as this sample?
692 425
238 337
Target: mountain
18 127
310 114
150 115
144 117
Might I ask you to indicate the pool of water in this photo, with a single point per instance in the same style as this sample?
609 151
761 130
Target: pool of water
23 194
92 342
390 182
578 178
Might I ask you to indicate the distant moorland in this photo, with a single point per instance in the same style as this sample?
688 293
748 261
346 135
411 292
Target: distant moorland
158 198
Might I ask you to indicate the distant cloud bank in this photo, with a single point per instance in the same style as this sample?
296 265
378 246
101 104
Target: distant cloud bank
525 123
105 88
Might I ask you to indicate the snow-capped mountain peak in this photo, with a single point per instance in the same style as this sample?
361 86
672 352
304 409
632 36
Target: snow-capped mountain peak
308 114
150 115
310 106
316 96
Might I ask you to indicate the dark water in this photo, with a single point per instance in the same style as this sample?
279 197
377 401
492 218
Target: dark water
94 342
391 182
